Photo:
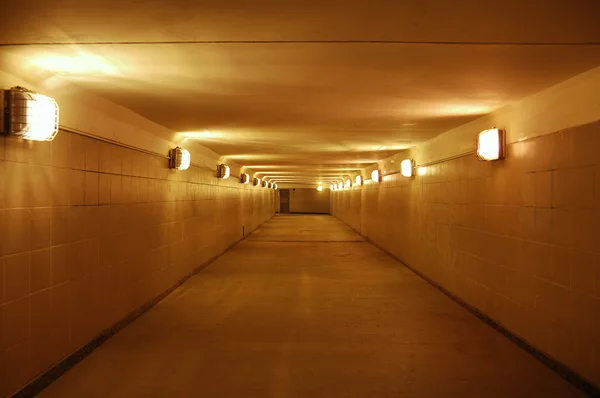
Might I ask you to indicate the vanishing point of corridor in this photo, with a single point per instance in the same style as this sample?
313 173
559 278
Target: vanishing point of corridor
304 307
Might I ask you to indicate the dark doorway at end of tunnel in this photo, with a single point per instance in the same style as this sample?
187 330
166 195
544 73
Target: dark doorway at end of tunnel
284 201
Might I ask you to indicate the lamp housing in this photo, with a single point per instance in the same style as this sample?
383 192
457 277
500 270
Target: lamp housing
28 115
179 158
223 171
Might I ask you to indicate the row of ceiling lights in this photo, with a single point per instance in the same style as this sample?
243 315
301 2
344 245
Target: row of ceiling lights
32 116
491 145
180 159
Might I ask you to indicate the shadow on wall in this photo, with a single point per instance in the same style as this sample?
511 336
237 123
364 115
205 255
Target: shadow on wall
517 239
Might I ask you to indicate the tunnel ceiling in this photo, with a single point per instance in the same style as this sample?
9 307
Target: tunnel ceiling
305 90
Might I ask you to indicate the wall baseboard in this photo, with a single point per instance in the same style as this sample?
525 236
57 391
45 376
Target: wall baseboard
558 367
38 384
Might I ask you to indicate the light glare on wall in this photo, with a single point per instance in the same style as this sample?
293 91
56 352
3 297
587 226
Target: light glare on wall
490 144
179 159
376 175
28 115
319 188
406 167
223 171
245 178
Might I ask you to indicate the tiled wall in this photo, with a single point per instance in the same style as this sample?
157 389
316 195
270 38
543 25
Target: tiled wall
89 231
519 239
309 200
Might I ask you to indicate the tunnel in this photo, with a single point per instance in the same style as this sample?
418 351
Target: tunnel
288 199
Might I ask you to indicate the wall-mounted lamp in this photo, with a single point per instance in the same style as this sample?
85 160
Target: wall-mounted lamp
348 183
256 182
491 144
28 115
245 178
332 187
274 186
376 175
320 188
223 171
340 185
264 184
270 185
179 158
406 167
358 180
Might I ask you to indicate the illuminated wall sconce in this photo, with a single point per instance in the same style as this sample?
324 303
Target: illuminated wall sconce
319 188
332 187
179 159
376 175
265 184
406 167
358 180
491 144
340 185
348 183
28 115
223 171
270 185
275 186
256 182
245 178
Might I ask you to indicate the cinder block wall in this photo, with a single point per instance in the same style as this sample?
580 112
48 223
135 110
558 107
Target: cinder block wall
90 231
518 239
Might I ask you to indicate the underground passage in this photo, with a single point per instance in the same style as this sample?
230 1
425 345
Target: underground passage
299 199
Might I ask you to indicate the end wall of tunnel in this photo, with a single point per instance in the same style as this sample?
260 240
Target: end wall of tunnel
517 238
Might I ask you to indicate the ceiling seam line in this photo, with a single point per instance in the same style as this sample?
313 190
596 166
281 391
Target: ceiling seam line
408 42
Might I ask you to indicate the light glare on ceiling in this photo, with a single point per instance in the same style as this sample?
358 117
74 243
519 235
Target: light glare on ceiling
81 64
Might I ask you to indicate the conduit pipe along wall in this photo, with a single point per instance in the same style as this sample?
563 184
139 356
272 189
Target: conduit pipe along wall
515 238
92 229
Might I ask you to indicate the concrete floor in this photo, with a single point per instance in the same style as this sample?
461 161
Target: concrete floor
305 308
